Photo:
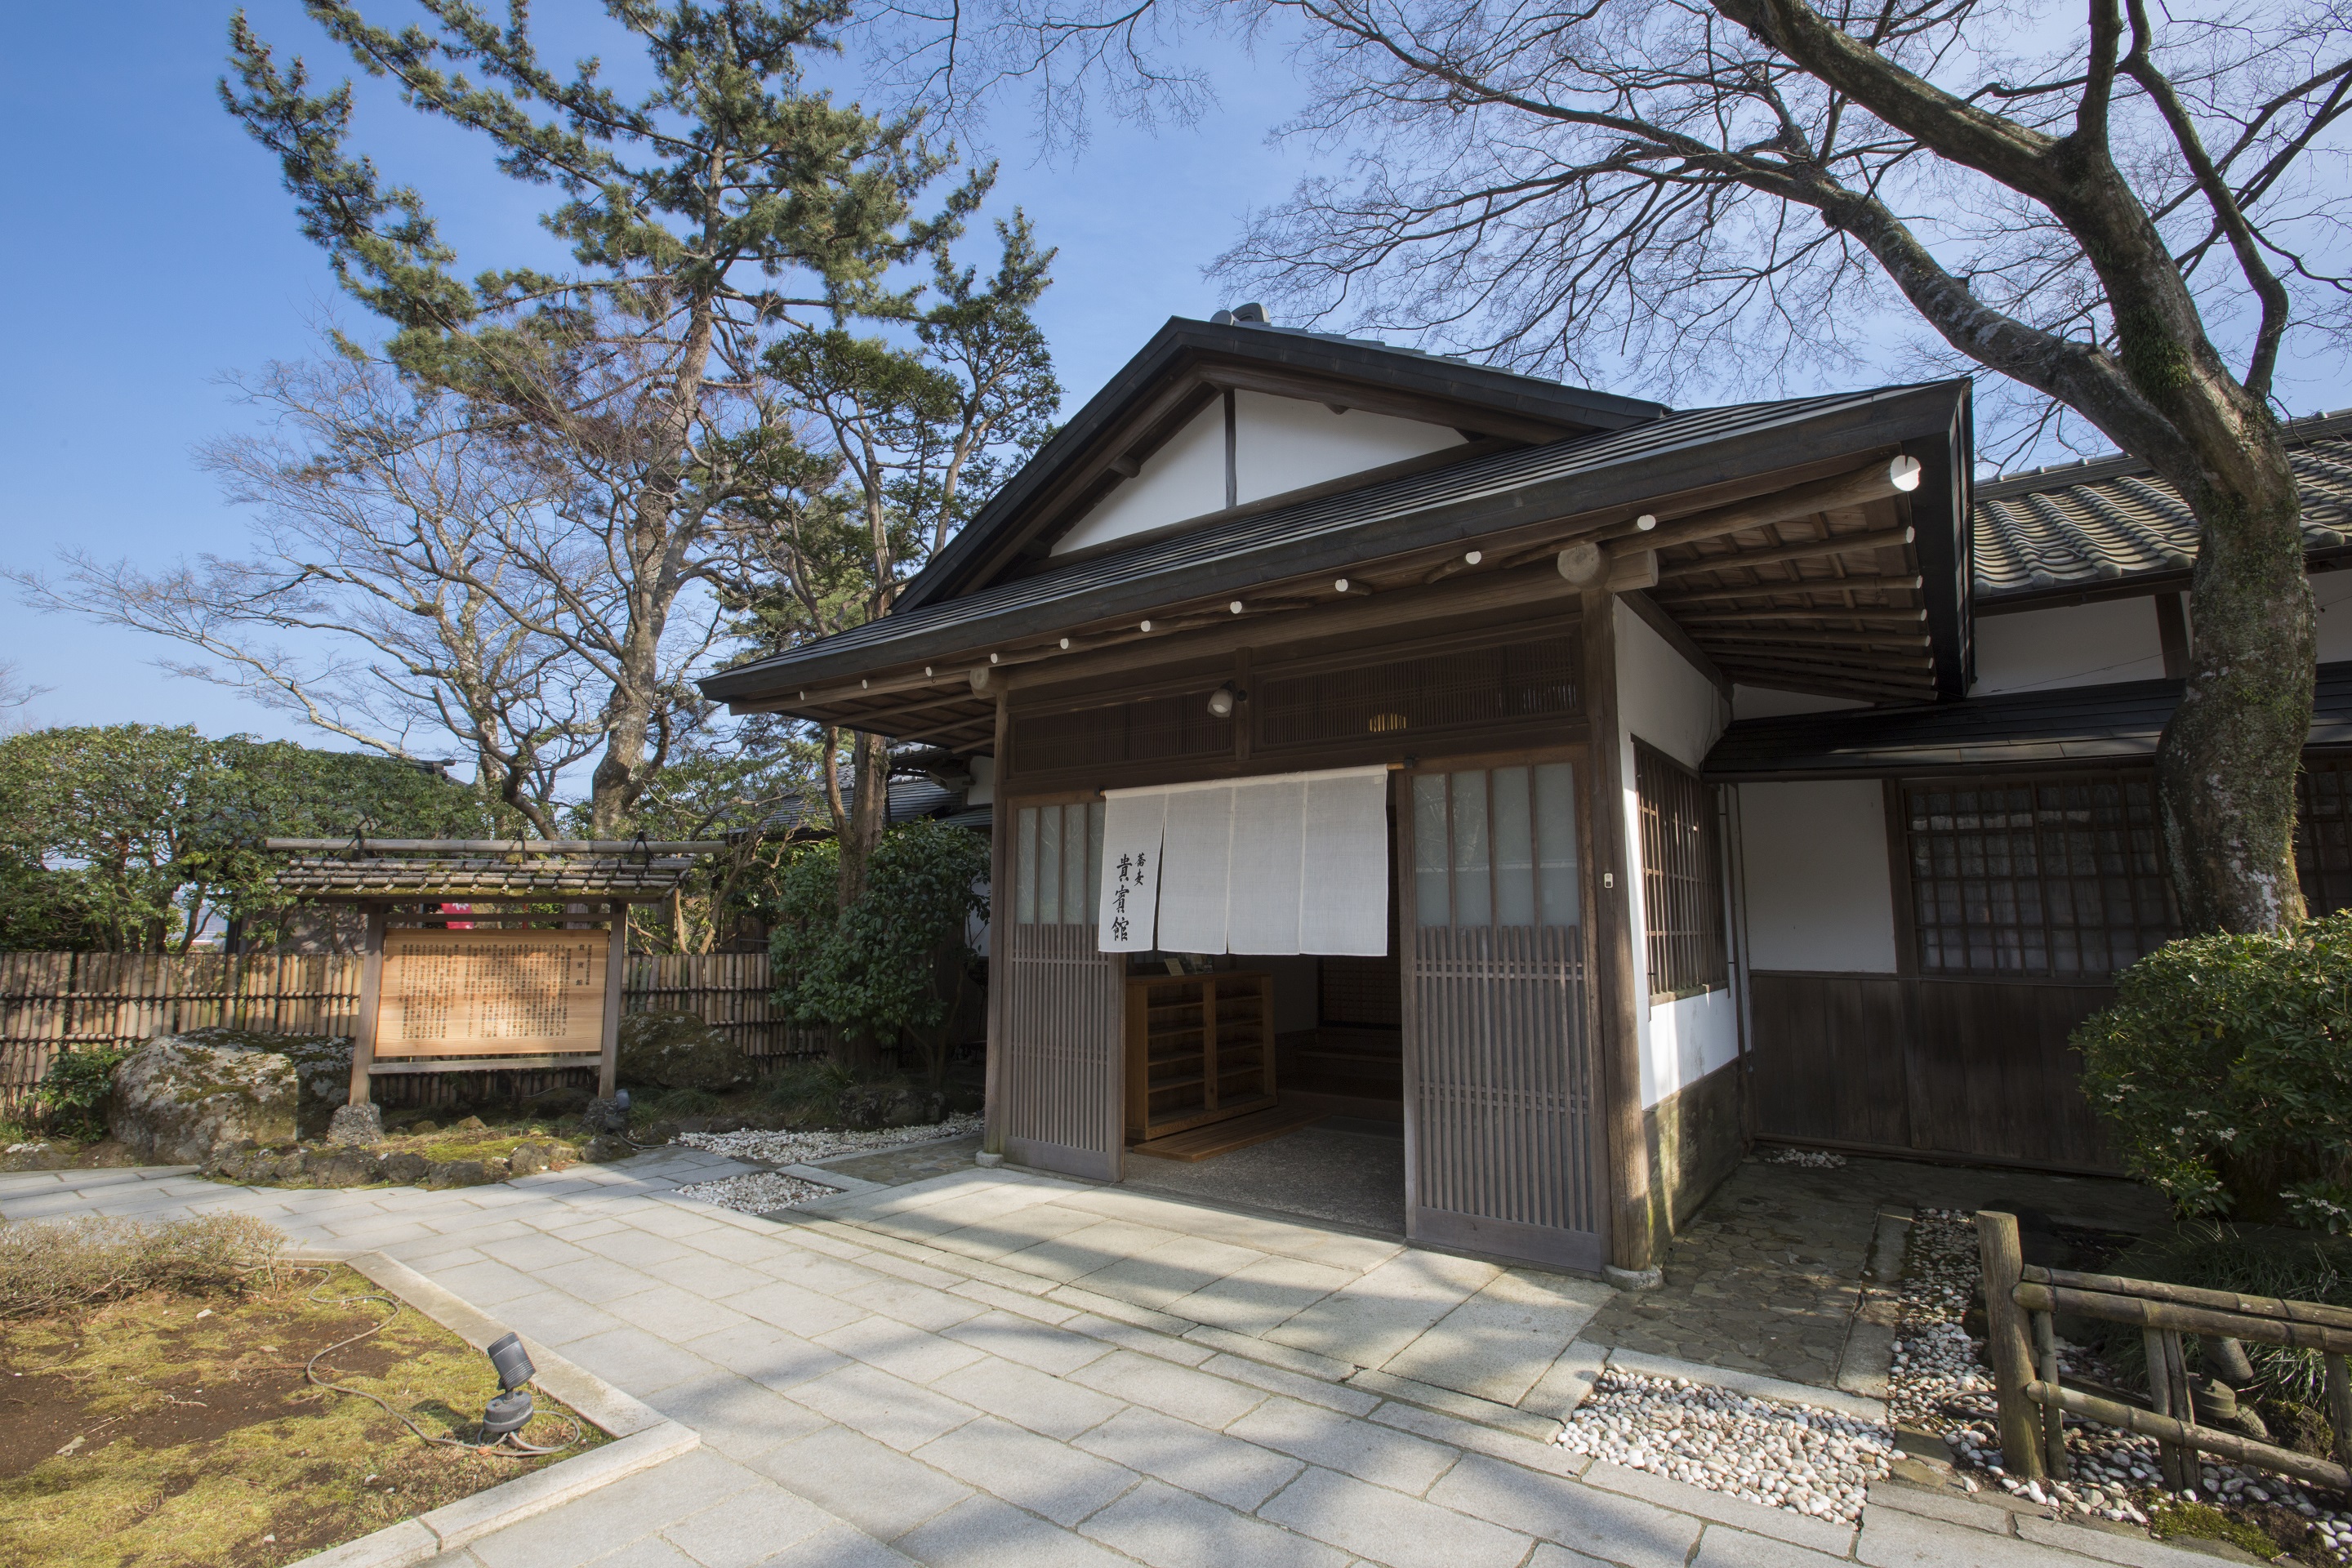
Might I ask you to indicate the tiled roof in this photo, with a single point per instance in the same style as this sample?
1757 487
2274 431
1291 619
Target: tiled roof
407 879
2082 525
2120 723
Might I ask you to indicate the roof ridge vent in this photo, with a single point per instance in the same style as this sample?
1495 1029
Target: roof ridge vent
1250 315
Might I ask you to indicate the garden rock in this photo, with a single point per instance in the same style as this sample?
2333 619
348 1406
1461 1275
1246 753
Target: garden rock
343 1167
563 1100
607 1115
407 1169
458 1174
323 1067
606 1147
868 1107
678 1050
355 1125
527 1159
177 1101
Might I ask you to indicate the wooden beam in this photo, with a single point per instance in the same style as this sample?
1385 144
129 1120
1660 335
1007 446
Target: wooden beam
1769 589
1002 872
1764 672
1893 616
1857 487
1633 1243
1777 636
1805 550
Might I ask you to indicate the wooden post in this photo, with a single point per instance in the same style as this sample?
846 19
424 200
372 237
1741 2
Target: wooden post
616 964
2168 1390
371 1004
1632 1238
2339 1409
1004 836
1208 1042
2054 1419
2004 1257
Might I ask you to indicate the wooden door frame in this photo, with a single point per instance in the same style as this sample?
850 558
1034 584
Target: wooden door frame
1578 755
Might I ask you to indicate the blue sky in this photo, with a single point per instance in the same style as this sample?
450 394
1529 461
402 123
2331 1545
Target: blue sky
154 252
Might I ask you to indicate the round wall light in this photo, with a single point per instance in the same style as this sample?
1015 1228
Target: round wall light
1220 700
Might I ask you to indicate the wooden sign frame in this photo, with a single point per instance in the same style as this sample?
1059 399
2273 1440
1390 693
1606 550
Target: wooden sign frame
488 921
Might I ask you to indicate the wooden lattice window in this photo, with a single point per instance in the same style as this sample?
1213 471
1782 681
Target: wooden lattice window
1169 728
2060 876
1682 877
1494 686
2322 833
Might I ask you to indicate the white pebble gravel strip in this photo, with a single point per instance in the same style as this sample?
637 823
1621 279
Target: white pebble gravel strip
1942 1382
1811 1158
757 1193
1808 1461
800 1148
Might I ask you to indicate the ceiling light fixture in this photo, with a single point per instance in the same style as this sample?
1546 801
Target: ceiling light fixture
1220 700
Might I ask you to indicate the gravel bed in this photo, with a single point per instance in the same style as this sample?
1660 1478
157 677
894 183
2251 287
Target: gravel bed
1941 1382
798 1148
1811 1159
757 1193
1794 1457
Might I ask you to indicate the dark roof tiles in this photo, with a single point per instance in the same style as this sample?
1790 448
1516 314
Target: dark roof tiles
2084 525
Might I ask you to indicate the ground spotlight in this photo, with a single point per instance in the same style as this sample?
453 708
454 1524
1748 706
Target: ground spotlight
509 1409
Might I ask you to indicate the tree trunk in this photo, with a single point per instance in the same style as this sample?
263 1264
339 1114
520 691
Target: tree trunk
2226 768
869 811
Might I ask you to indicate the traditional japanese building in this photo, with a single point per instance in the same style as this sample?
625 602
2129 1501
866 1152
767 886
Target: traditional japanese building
1581 786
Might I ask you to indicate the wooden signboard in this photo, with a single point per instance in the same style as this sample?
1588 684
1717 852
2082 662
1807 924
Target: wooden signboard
509 993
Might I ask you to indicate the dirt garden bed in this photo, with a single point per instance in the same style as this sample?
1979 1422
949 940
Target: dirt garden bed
181 1424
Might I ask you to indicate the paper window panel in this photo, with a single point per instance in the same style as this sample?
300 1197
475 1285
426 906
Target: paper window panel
1262 905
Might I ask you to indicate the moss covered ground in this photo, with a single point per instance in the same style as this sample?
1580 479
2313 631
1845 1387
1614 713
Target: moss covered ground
182 1429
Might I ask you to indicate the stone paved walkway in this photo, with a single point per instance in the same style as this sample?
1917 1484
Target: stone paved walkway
859 1407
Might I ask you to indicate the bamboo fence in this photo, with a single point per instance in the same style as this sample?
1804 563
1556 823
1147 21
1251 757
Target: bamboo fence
78 1001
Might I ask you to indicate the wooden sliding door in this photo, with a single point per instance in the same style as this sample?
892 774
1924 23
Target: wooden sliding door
1502 1133
1060 1003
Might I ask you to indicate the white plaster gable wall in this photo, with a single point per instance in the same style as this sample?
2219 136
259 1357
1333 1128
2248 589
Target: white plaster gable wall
1283 444
1661 699
1819 892
1186 477
1280 444
2333 592
2071 645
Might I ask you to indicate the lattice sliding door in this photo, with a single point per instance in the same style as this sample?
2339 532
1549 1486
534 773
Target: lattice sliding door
1502 1154
1061 1004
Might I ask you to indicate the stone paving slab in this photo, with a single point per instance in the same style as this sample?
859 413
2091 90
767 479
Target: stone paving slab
869 1399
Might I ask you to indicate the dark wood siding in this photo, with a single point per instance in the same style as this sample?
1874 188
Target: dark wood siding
1971 1068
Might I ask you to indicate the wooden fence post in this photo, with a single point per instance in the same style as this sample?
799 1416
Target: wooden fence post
2006 1338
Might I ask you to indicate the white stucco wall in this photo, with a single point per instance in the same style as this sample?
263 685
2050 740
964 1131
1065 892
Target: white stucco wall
2333 592
1819 892
1286 444
1186 477
2071 645
1662 700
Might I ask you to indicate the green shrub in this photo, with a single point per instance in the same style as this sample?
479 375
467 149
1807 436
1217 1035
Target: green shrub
2224 1068
2251 1260
895 964
808 1091
49 1266
687 1101
74 1091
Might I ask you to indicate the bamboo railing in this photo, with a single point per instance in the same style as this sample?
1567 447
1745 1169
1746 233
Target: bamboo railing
51 1001
2021 1301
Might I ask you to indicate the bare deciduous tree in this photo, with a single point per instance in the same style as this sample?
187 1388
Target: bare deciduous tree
2131 219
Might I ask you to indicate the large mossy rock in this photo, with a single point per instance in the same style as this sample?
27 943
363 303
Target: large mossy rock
177 1101
322 1063
678 1050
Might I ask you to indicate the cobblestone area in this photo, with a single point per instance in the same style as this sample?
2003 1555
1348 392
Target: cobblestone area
1768 1276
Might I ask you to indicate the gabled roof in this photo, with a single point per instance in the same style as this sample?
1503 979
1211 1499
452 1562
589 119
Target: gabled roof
1438 510
1188 362
2071 725
2105 522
